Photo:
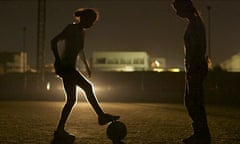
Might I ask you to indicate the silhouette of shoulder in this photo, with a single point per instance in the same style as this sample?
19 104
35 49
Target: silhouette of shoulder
70 30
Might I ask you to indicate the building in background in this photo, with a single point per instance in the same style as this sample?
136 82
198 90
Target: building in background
13 62
232 64
121 61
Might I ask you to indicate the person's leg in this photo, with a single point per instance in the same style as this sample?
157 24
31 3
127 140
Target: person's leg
89 91
194 102
70 90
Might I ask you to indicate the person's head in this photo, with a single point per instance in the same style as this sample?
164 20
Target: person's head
184 8
86 16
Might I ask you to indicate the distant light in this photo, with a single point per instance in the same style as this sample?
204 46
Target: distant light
129 69
174 70
48 86
126 69
157 63
158 69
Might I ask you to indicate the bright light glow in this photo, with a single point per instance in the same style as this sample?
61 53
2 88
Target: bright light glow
174 70
129 69
48 86
157 63
125 69
101 89
158 69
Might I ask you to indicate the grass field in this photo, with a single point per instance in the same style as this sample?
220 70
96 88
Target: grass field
35 122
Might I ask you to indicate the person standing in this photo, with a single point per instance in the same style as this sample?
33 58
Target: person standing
196 67
66 47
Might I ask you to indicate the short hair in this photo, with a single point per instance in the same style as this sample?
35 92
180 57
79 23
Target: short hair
87 12
183 2
189 2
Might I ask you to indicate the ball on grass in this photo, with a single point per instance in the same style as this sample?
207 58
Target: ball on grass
116 131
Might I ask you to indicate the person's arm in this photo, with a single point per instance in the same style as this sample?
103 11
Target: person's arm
56 39
198 43
54 47
84 60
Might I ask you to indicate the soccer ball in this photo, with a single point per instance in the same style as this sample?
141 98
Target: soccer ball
116 131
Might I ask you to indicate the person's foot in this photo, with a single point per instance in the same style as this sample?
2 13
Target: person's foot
106 118
194 139
63 135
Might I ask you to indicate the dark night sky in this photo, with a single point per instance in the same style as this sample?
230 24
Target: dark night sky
146 25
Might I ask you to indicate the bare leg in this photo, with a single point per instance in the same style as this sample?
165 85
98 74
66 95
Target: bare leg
70 89
88 88
103 118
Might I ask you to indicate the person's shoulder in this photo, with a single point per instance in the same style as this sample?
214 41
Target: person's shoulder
74 26
70 28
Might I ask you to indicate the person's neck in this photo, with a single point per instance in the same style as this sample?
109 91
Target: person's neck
80 25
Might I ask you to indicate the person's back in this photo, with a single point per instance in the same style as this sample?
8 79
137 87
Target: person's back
195 42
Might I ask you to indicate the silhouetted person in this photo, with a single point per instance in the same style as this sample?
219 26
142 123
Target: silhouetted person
196 67
66 46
